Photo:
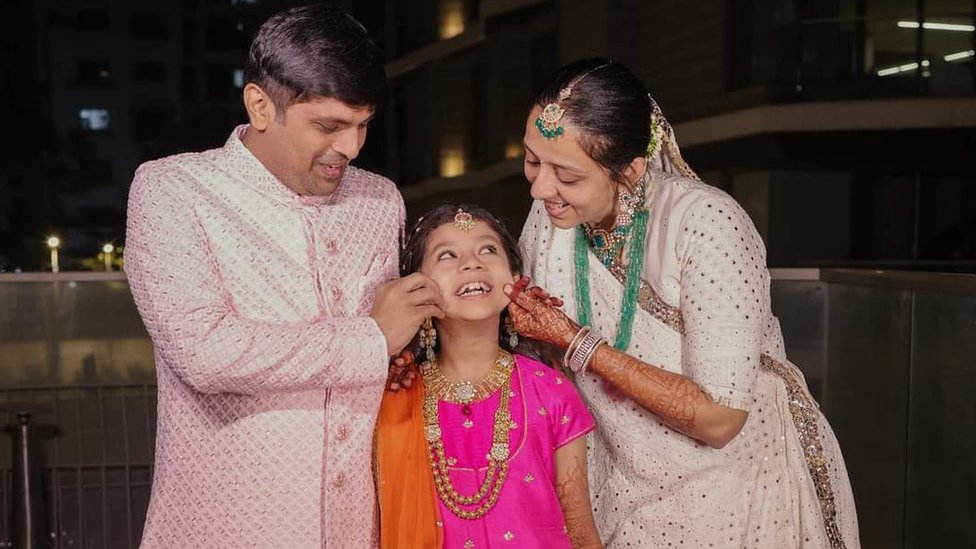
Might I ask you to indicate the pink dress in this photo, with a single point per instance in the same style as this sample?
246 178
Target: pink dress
548 413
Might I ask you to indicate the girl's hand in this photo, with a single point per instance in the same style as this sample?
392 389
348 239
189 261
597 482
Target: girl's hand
537 315
403 370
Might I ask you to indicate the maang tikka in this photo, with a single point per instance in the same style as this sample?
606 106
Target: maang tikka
463 220
548 121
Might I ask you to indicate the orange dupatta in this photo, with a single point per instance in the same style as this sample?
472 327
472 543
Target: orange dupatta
408 503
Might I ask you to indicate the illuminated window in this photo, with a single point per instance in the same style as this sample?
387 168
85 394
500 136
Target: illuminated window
149 71
94 119
513 149
93 72
238 78
451 18
149 26
452 161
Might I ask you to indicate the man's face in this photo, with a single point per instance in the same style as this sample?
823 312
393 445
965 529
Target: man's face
313 143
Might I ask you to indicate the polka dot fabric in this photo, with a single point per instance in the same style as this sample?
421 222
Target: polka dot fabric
651 486
270 370
723 298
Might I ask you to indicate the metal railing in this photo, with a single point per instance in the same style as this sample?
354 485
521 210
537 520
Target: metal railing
94 446
889 355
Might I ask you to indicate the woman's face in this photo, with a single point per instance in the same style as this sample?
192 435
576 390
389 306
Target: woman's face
573 186
471 268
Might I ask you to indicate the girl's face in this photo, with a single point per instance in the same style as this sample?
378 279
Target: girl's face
574 187
471 268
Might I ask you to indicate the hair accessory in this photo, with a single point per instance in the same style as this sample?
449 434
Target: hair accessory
548 122
657 128
662 149
463 220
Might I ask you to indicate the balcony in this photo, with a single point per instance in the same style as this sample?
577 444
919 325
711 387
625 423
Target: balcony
887 354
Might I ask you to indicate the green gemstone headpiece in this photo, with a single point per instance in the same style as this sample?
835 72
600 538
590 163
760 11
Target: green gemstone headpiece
548 122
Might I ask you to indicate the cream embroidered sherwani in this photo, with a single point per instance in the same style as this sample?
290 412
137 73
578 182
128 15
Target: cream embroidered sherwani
270 371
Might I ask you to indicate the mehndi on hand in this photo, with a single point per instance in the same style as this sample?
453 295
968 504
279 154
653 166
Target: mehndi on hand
537 315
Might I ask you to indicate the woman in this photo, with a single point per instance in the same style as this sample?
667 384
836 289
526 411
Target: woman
489 450
706 434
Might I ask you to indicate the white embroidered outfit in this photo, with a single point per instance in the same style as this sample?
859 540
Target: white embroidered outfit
705 313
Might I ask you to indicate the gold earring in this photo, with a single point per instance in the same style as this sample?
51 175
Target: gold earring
428 338
513 339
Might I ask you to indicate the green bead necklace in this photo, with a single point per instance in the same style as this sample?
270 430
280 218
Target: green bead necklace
628 307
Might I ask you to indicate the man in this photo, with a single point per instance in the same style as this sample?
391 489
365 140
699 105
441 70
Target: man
254 267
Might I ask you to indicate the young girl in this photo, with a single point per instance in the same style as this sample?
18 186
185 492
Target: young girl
488 449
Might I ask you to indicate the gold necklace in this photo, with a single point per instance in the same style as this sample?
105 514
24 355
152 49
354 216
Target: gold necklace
465 392
438 388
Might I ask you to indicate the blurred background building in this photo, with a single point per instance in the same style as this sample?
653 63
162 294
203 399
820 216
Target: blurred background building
845 128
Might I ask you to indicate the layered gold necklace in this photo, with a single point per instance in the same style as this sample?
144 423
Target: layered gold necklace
465 393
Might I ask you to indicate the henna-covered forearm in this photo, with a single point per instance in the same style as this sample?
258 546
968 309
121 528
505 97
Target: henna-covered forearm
574 496
676 399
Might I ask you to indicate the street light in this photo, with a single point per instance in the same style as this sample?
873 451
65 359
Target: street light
107 250
54 243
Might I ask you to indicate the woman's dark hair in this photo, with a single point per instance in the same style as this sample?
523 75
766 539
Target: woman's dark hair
316 51
415 248
611 107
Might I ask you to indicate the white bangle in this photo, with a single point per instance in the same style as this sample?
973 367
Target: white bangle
573 344
589 356
581 356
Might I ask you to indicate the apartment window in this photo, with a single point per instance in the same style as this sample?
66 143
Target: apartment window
188 83
542 53
149 71
189 37
90 19
149 123
220 82
94 119
93 72
739 48
238 78
451 18
149 26
479 114
225 34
